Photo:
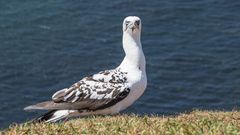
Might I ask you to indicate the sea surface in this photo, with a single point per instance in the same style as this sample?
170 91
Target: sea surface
192 50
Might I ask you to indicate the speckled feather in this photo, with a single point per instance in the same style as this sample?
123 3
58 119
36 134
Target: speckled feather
100 90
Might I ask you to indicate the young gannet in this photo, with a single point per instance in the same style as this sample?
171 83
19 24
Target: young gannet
107 92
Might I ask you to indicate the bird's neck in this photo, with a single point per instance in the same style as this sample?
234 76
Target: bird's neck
134 57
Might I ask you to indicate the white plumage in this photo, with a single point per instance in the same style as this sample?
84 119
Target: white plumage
107 92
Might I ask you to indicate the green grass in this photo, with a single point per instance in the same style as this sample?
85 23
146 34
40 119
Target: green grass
196 122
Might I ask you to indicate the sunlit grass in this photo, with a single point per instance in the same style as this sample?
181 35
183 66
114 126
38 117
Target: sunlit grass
196 122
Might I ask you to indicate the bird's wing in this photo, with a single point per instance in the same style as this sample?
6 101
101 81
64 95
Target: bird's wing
95 92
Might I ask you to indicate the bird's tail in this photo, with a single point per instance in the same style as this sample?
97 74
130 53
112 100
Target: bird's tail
53 116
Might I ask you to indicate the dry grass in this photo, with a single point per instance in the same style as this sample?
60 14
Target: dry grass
196 122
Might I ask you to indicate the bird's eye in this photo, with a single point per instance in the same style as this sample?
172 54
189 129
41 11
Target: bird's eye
137 22
127 22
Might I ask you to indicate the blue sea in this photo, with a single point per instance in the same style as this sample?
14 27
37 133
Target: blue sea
192 50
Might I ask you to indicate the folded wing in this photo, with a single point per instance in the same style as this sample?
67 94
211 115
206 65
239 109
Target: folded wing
91 93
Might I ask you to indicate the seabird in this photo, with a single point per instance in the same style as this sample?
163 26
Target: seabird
107 92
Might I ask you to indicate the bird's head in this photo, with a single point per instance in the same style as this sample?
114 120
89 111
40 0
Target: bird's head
132 25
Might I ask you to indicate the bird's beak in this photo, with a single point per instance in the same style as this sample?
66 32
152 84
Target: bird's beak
136 25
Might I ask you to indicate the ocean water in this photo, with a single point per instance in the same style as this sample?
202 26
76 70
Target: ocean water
192 50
